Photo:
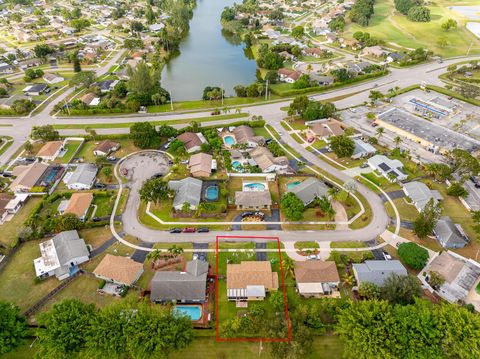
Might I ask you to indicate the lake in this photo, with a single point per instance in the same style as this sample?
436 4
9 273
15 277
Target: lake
207 57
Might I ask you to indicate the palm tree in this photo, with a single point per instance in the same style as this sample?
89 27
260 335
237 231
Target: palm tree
380 132
348 279
309 68
397 140
288 265
175 251
155 255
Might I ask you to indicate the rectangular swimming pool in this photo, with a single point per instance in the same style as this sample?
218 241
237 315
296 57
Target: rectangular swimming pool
192 311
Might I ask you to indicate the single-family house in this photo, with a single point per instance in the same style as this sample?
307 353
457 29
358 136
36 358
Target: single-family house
188 286
50 150
78 204
106 85
5 199
192 141
35 90
461 276
53 78
388 168
287 56
187 190
449 234
375 51
119 270
316 278
82 178
61 255
201 165
25 64
314 52
309 190
250 280
27 176
6 68
324 129
420 194
90 99
244 135
331 38
362 149
264 159
253 200
106 147
377 271
288 75
322 80
156 27
395 57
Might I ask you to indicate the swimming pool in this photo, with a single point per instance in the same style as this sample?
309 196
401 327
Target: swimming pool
254 186
229 140
211 193
192 311
293 184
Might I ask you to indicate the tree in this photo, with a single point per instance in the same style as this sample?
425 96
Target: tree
469 90
361 12
79 24
44 133
42 50
442 42
298 32
350 187
435 279
154 190
419 14
400 289
144 135
405 5
13 328
375 95
83 78
107 171
413 255
427 219
457 190
342 146
67 327
288 265
68 222
174 250
155 255
77 67
369 290
133 43
464 164
439 171
167 131
380 131
143 83
28 147
397 140
326 206
292 207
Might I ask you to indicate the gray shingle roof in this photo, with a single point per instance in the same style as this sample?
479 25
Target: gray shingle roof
85 174
377 271
187 190
189 286
420 194
68 246
449 235
310 189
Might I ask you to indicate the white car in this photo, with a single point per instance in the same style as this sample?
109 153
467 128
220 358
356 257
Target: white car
387 256
312 257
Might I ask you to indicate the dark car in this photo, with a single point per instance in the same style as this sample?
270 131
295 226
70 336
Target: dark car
175 230
157 175
100 185
247 214
96 219
189 230
7 174
30 159
203 230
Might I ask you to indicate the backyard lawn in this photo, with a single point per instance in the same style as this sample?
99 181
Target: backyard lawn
71 147
407 211
10 229
126 147
17 280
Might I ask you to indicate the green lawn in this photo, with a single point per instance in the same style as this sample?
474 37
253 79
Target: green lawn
407 211
353 244
397 30
126 147
71 148
302 245
104 204
17 283
155 123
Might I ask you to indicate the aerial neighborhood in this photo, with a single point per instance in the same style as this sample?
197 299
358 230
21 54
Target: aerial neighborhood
254 179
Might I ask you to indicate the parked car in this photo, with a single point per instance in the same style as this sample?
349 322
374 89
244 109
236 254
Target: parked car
175 230
312 257
203 230
259 214
189 230
387 256
364 165
100 185
96 219
246 214
30 159
157 175
111 158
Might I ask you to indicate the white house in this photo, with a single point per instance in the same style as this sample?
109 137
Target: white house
388 168
61 256
82 178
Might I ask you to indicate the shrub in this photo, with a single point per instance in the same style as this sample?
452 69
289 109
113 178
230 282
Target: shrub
413 255
102 284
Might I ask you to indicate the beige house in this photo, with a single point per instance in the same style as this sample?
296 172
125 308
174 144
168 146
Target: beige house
316 278
106 147
78 204
27 176
250 280
50 150
267 162
200 165
326 128
119 270
253 200
192 141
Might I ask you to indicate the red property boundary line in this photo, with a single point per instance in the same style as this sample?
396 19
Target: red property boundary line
221 339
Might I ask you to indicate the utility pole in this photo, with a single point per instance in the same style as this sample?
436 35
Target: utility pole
266 92
171 101
221 90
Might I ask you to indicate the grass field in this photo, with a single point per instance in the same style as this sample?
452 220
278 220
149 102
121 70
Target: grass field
395 29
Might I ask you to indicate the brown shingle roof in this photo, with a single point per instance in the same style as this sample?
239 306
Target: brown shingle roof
119 269
251 273
316 272
106 146
29 175
4 199
200 164
331 127
50 148
190 140
79 203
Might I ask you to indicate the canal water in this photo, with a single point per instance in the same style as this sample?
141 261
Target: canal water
208 57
